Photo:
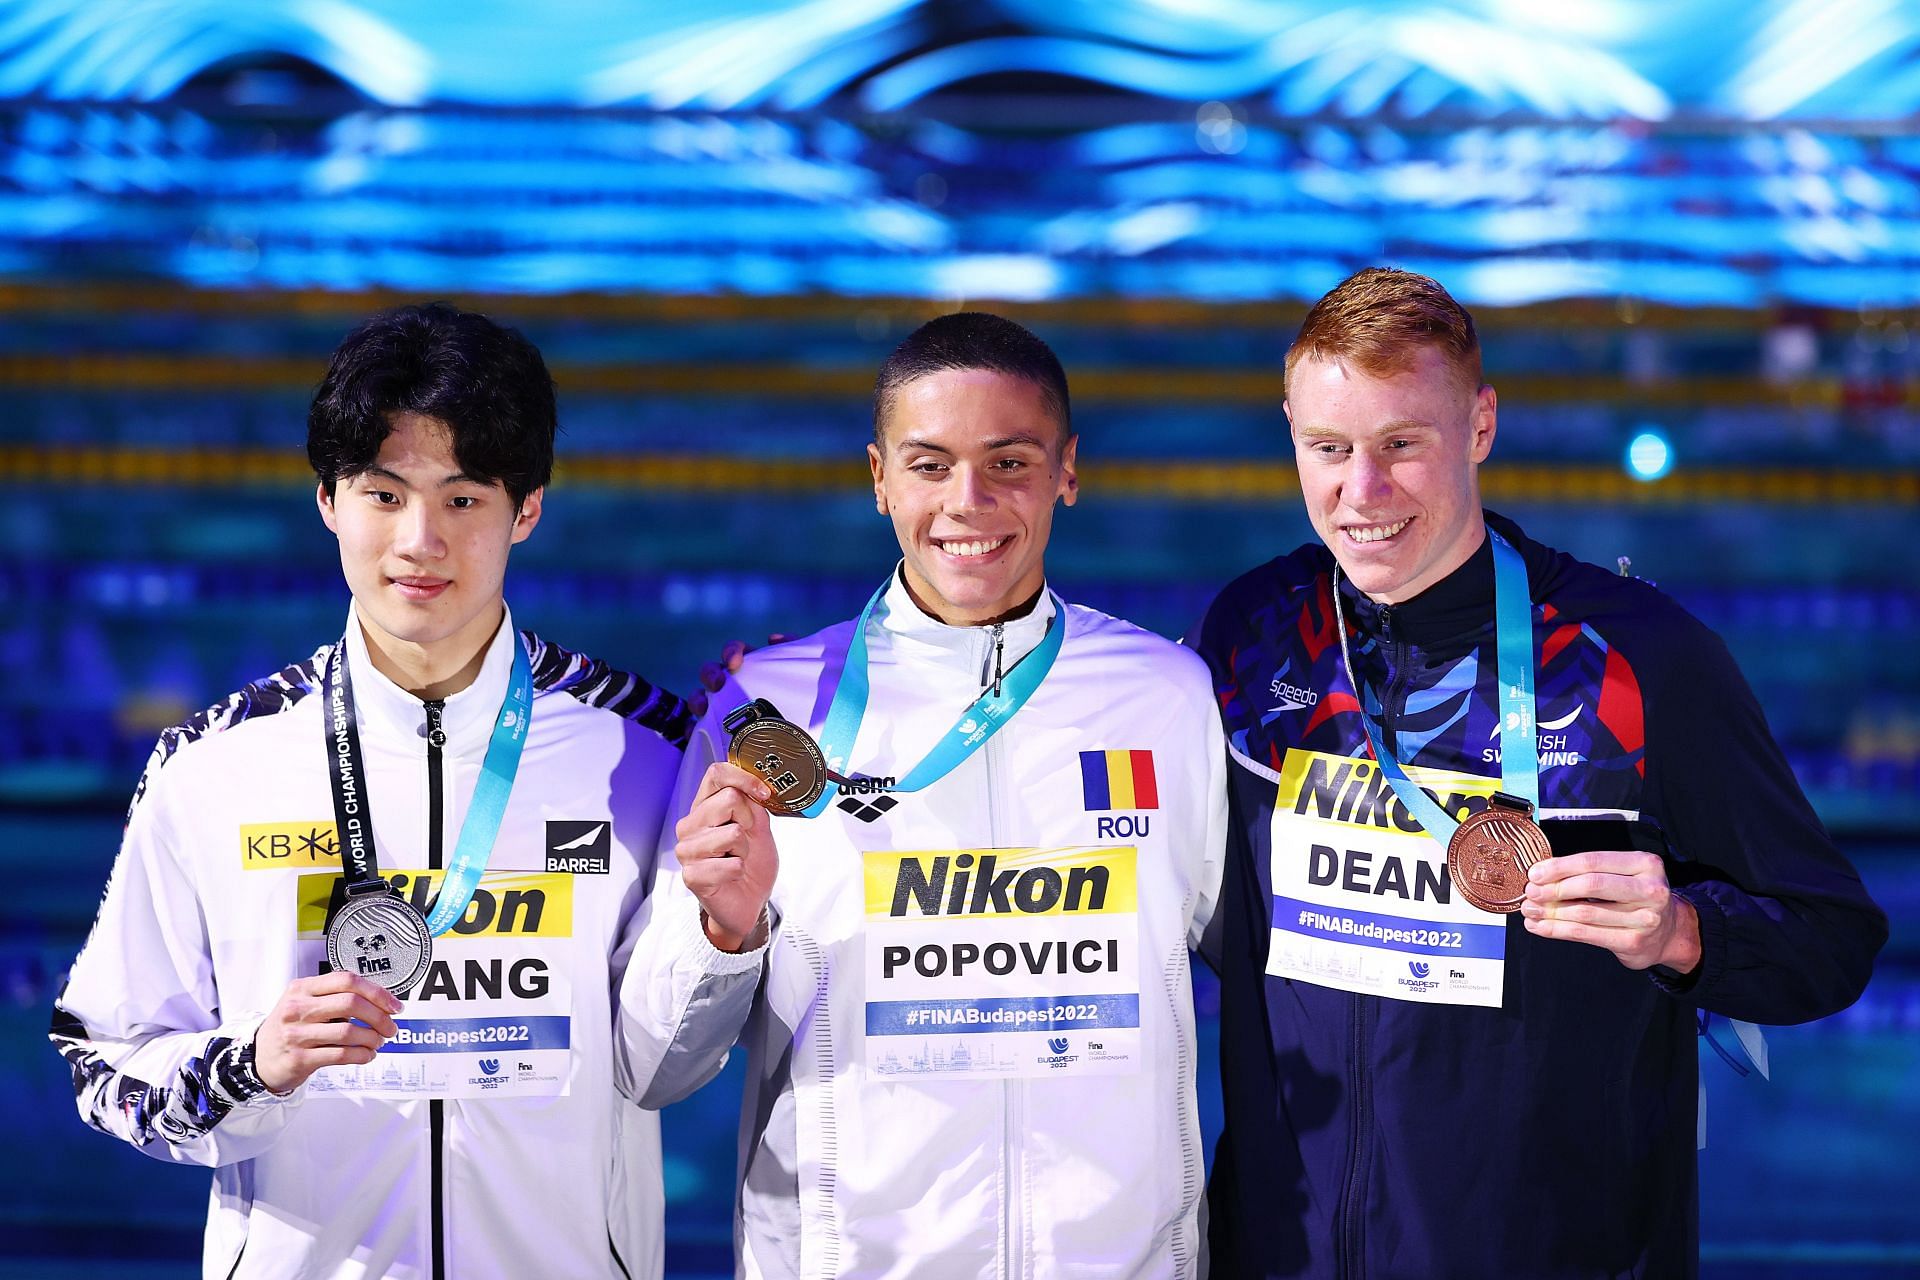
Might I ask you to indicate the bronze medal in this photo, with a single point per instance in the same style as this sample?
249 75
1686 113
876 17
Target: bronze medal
779 753
1492 851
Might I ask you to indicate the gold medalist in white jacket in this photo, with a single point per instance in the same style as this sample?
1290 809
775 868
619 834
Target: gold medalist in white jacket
973 1050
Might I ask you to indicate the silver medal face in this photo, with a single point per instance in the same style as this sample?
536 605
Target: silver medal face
382 938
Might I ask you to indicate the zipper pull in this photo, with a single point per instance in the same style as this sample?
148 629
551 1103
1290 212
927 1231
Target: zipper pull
436 736
1386 622
999 651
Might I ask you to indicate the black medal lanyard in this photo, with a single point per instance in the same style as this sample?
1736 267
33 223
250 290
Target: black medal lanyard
374 933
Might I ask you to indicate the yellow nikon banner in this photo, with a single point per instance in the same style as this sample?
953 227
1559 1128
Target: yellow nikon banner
1350 791
508 904
972 883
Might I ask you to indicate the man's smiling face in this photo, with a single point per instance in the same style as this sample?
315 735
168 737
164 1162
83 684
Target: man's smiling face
969 466
1389 467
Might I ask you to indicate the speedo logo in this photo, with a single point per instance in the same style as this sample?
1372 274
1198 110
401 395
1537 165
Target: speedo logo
1355 793
1292 697
1000 882
509 904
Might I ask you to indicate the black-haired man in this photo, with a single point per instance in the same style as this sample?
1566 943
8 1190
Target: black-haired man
440 807
973 1050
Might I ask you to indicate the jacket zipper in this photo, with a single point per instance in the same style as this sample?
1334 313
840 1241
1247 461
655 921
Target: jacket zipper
1012 1092
1396 669
1353 1236
436 1109
1362 1009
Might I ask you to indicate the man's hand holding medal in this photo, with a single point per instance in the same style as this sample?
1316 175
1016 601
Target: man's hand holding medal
726 850
337 1019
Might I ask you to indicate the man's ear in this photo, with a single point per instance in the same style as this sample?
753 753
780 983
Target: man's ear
878 465
324 501
1486 422
1069 476
528 515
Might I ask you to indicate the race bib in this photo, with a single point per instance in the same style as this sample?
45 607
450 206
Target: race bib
493 1018
1361 897
991 963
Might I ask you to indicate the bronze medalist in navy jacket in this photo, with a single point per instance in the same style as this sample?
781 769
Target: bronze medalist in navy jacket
1415 1088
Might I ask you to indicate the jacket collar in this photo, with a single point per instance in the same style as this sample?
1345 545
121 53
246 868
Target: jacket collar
399 718
907 626
1457 609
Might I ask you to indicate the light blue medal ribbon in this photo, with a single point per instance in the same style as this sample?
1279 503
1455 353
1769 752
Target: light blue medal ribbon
482 825
980 721
1519 747
1513 619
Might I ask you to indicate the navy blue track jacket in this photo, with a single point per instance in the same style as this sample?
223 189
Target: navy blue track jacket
1553 1136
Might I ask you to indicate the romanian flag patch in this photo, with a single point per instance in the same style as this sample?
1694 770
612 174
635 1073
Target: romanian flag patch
1119 780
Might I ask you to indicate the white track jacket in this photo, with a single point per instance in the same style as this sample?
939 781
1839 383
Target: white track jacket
526 1161
973 1050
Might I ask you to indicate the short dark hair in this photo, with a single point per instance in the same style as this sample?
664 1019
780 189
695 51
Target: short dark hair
973 340
481 378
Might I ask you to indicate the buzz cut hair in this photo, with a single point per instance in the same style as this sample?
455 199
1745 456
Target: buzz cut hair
1379 318
973 340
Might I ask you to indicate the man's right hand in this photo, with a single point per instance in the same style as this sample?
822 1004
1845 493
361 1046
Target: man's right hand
727 856
318 1024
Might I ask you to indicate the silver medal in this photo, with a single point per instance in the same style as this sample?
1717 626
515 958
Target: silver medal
380 937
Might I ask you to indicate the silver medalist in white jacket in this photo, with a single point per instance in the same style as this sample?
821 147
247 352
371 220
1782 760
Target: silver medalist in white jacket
973 1051
494 1141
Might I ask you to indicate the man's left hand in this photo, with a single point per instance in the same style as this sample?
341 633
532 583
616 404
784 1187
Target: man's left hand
1618 899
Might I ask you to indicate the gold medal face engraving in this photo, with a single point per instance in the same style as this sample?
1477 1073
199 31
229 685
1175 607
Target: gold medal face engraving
1490 855
782 755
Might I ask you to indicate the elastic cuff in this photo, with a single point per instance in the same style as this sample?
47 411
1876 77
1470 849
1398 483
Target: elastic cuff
1699 984
714 960
235 1077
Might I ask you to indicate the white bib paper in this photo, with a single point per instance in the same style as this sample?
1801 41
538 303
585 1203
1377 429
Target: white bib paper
1361 897
990 963
493 1018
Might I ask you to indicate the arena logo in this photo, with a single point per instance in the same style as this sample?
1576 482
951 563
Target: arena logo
853 801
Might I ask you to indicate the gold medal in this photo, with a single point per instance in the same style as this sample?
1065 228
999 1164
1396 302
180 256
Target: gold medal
1492 851
779 753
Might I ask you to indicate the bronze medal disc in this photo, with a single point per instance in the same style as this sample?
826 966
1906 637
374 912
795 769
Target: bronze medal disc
1490 855
781 754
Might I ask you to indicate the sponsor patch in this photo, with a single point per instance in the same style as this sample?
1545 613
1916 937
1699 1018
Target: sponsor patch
580 848
866 798
265 846
508 904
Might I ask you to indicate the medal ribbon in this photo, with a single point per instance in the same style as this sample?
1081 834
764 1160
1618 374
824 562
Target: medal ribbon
980 721
353 815
1519 747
